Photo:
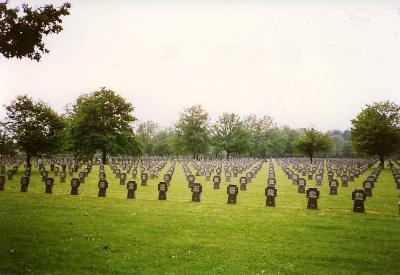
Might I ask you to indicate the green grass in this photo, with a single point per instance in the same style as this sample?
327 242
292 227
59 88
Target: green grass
64 234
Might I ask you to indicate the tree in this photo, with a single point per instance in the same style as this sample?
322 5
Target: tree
312 142
7 147
230 135
101 121
21 32
376 130
163 143
258 129
192 131
146 132
33 126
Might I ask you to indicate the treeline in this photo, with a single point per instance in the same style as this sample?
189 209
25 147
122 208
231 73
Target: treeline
102 123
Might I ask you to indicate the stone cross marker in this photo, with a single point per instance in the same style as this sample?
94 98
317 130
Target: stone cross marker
232 192
103 185
122 178
144 178
131 186
368 188
358 196
75 183
49 185
270 193
196 192
301 183
162 190
333 185
2 182
312 196
243 183
24 184
217 181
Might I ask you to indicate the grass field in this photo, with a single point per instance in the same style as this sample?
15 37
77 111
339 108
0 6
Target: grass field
63 234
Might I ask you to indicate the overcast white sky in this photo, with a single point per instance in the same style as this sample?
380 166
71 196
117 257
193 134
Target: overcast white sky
305 63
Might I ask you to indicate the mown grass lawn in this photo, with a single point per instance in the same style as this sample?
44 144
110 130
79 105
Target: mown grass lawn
59 233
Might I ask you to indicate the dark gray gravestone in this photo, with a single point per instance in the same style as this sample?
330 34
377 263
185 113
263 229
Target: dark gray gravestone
295 178
131 186
196 192
301 185
333 186
368 188
318 179
162 191
345 180
2 182
10 174
143 179
24 184
232 192
312 196
397 180
217 181
271 182
190 179
103 185
228 176
270 193
208 175
122 178
249 176
358 196
310 176
167 178
235 172
330 175
56 171
49 183
2 169
82 176
134 173
63 175
243 183
75 183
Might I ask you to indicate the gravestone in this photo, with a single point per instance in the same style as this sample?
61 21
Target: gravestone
358 196
232 192
82 176
312 196
271 182
190 179
333 185
310 176
24 184
228 176
144 178
167 178
243 183
368 188
235 172
301 185
162 190
2 169
345 180
131 186
196 192
318 179
330 175
249 176
134 173
397 180
49 183
2 182
10 174
271 193
75 183
295 178
56 171
208 175
122 178
217 181
103 185
63 175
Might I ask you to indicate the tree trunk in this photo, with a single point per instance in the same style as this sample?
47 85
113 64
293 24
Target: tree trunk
228 154
104 156
382 161
311 157
28 160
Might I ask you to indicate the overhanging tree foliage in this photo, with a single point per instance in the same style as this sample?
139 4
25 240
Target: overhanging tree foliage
312 142
376 130
34 126
22 30
101 121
